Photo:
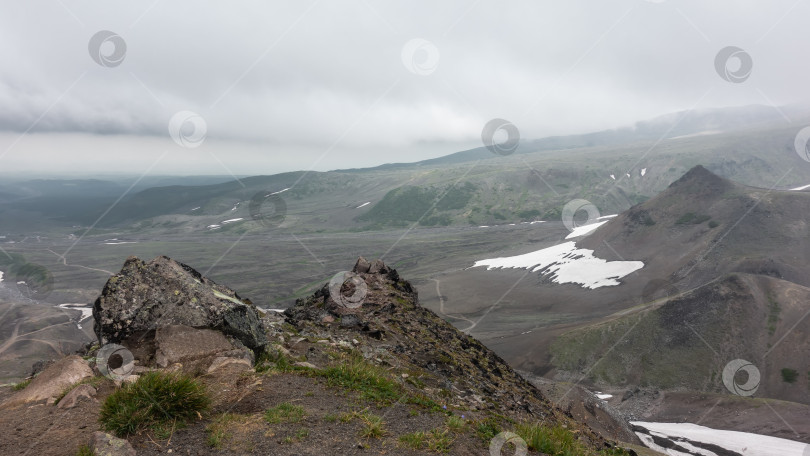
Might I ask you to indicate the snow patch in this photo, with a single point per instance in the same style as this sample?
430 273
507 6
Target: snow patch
196 208
613 177
741 442
1 276
363 205
643 171
800 188
87 312
214 227
565 263
225 222
584 229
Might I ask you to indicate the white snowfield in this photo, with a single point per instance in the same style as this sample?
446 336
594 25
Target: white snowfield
587 229
567 264
740 442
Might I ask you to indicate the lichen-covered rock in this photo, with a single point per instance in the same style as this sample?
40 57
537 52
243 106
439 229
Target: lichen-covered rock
146 296
102 444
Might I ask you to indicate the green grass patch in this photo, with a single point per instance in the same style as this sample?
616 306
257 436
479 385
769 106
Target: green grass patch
789 375
487 429
284 413
558 441
154 400
438 441
371 381
690 218
84 450
21 386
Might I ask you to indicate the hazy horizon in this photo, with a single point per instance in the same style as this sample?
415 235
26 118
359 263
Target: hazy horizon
276 88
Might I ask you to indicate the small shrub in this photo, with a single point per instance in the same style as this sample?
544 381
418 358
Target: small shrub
284 412
789 375
713 224
21 385
84 450
154 400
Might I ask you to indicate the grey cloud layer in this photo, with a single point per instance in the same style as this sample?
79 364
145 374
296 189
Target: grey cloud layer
313 73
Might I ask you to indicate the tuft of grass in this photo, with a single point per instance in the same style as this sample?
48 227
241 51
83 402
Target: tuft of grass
439 441
302 433
555 440
435 440
155 400
487 429
284 413
373 426
330 418
218 431
455 423
21 386
371 381
84 450
414 440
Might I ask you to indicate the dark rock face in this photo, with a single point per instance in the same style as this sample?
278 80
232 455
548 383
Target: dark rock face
146 296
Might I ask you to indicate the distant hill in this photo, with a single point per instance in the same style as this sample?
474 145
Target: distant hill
725 271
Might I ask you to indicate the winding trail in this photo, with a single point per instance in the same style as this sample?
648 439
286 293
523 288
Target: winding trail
441 307
64 262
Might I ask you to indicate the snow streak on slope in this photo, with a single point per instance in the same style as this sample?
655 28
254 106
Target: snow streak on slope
693 439
565 263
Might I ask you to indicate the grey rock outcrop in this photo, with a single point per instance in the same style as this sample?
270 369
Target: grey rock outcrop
146 296
103 444
52 382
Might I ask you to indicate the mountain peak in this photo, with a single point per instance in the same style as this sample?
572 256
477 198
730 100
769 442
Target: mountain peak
701 178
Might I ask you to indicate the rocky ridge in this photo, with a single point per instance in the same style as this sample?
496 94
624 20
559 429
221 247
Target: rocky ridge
360 348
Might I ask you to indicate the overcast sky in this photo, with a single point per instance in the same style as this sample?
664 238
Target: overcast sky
279 86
